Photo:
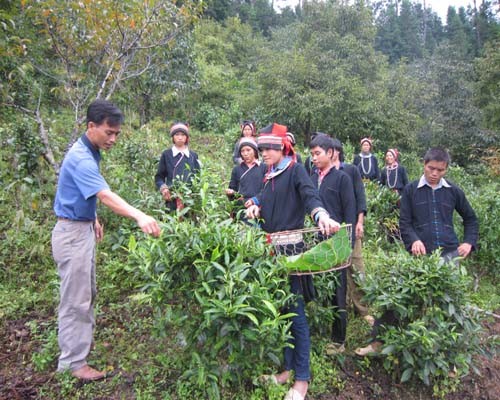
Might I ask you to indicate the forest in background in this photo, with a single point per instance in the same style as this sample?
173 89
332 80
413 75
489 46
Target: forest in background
386 69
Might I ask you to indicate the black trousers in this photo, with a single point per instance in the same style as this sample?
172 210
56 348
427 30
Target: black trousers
339 325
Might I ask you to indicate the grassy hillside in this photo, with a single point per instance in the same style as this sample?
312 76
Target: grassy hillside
160 332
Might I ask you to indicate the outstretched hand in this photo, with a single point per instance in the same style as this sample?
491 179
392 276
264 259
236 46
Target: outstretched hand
148 225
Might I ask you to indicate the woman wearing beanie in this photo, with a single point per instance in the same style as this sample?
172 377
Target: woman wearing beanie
393 175
366 162
176 163
286 196
247 129
246 178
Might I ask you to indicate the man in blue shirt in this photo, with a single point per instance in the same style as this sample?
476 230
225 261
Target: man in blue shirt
77 230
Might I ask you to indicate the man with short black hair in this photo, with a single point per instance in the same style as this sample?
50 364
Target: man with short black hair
337 194
427 205
77 230
426 223
354 292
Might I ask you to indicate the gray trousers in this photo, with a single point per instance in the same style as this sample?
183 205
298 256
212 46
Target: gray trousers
73 249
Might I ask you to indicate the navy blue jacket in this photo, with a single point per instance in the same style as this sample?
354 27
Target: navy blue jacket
170 167
359 188
285 199
415 220
373 173
247 182
337 195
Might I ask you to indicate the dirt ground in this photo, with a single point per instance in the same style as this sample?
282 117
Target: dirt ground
18 380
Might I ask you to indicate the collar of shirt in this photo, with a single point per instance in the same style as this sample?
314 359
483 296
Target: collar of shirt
282 164
442 183
95 152
256 162
176 150
278 169
322 174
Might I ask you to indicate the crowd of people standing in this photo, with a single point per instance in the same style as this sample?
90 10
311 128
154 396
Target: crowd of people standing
271 183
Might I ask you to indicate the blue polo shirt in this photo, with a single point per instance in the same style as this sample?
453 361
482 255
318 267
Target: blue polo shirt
79 182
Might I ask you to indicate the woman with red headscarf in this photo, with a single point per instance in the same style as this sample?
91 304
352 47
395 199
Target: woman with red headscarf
393 175
286 196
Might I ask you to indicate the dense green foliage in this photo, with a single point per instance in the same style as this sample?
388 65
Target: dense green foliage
390 70
214 279
437 331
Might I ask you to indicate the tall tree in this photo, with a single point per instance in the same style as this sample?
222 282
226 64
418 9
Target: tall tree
487 91
323 74
86 50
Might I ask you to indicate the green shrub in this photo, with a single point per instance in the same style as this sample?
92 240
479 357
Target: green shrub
437 333
486 204
217 281
382 220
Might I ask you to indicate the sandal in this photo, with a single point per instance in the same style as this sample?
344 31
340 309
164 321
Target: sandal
334 348
371 349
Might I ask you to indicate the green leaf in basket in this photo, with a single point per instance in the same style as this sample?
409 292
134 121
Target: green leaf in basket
325 255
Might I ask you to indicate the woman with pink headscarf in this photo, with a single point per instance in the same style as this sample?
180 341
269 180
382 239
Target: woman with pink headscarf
393 175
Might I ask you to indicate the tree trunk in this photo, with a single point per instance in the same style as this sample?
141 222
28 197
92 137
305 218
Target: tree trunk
425 25
47 154
478 33
44 137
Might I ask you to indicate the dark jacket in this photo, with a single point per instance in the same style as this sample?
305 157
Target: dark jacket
285 199
179 166
247 182
369 165
394 178
337 195
416 219
358 186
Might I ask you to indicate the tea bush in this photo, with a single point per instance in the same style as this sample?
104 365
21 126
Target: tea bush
216 280
486 204
437 333
382 220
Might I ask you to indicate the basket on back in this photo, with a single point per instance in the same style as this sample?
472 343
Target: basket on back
307 251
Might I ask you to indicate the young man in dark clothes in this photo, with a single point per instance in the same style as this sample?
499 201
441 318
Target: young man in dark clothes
286 196
357 265
176 163
426 223
337 194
